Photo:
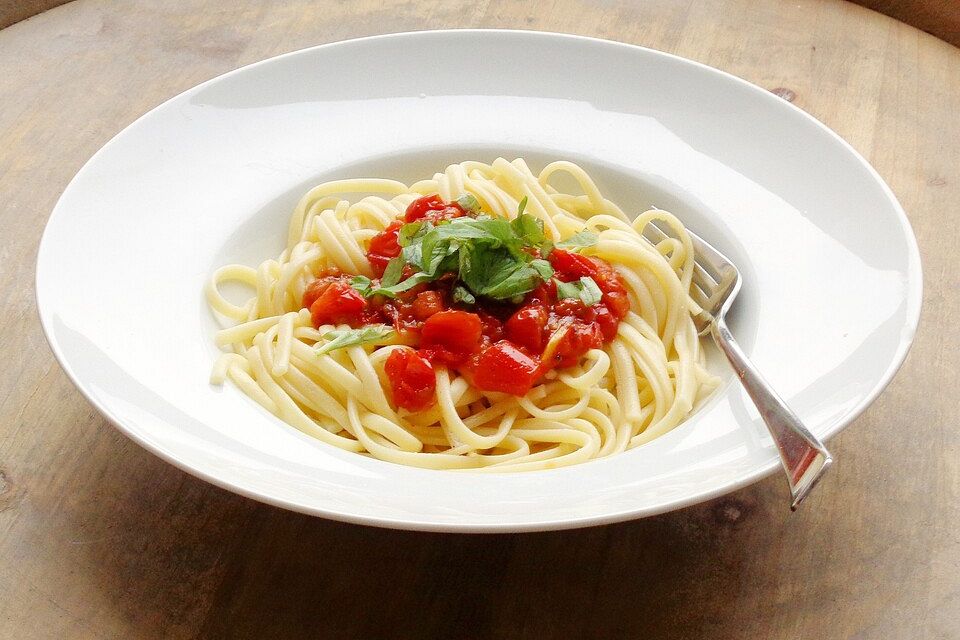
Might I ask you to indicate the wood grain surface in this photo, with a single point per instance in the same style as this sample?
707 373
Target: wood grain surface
99 539
939 17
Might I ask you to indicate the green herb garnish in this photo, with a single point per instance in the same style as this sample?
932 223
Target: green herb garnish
341 338
462 294
492 257
365 286
584 289
580 240
528 229
468 203
521 206
393 273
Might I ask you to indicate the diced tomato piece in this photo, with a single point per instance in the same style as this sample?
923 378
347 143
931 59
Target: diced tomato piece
576 341
411 294
449 212
545 293
385 243
613 287
618 303
491 327
318 286
607 277
455 332
571 266
574 308
339 303
421 206
383 247
426 304
607 322
468 368
314 290
412 381
503 367
525 327
378 264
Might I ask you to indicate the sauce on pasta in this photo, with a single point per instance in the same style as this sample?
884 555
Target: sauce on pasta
500 346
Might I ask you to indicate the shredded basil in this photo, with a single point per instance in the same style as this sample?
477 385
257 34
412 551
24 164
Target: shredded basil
580 240
342 338
491 256
469 203
584 289
393 273
462 294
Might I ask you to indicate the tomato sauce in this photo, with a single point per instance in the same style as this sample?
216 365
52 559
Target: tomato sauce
497 347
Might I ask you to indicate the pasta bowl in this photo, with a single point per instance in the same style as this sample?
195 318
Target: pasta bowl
831 272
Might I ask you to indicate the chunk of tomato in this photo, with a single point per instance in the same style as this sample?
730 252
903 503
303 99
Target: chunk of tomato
491 327
449 212
607 277
607 322
569 266
420 207
575 308
545 293
618 303
503 367
525 327
451 336
316 288
578 338
412 380
426 304
339 303
613 287
383 247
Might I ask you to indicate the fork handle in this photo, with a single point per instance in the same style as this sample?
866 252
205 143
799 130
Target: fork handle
804 457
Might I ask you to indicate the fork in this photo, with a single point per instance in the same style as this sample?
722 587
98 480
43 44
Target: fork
716 282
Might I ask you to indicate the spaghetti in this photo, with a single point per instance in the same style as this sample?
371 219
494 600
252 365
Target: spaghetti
636 371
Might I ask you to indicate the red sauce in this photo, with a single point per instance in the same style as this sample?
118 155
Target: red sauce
498 347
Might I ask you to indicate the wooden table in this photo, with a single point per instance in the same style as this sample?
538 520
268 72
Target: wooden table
99 539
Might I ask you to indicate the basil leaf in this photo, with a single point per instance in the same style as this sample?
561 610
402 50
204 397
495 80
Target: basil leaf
579 241
516 281
393 272
409 283
492 256
491 229
521 206
468 203
495 273
584 289
461 294
591 293
342 338
480 265
543 268
435 256
413 254
546 248
568 290
361 284
528 229
412 230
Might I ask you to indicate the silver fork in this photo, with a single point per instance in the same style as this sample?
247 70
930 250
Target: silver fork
716 282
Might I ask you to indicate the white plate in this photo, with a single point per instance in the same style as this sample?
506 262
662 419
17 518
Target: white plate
828 310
